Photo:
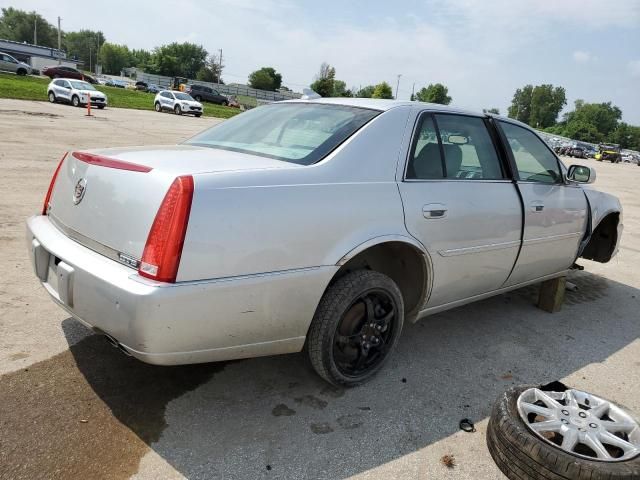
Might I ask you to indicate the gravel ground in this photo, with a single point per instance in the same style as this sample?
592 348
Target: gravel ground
71 406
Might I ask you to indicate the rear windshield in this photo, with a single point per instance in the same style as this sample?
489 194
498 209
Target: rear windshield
293 132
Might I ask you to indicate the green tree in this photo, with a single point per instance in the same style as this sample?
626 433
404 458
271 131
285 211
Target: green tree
365 92
538 106
583 131
494 110
141 58
546 104
603 116
382 90
520 108
19 26
434 93
627 136
324 83
178 59
340 89
84 44
211 71
114 58
265 79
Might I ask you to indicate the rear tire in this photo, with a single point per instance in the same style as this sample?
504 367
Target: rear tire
198 115
75 101
177 110
52 97
197 98
22 72
101 107
356 326
225 104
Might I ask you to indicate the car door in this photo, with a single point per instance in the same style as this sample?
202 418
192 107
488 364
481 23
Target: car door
460 203
555 212
65 90
6 63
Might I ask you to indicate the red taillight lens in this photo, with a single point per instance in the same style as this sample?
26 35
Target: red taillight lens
51 185
161 256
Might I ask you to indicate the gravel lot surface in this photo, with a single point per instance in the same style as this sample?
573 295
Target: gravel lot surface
72 406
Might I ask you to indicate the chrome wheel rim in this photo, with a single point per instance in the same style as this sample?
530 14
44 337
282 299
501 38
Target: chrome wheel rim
581 424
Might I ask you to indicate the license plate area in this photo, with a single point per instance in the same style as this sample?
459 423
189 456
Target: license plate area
59 280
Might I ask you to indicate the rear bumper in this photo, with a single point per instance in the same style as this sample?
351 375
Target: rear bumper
171 324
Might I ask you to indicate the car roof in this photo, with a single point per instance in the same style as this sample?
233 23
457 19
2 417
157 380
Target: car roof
384 105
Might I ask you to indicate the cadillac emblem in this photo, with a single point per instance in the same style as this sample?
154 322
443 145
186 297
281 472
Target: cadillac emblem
78 192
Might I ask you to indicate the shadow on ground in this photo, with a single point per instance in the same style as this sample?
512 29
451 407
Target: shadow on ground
273 418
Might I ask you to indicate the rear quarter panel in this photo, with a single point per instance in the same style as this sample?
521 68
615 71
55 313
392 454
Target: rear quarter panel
262 221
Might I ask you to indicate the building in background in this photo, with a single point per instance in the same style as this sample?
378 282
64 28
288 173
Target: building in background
35 55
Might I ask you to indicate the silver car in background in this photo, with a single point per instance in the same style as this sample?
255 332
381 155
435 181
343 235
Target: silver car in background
323 224
10 64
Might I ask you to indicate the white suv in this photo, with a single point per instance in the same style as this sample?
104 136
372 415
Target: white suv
179 102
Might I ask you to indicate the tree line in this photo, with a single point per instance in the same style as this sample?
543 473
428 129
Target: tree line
539 106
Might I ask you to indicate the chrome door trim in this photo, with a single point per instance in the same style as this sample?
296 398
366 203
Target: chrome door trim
553 238
478 248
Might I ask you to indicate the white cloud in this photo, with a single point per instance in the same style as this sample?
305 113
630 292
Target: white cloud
580 56
634 67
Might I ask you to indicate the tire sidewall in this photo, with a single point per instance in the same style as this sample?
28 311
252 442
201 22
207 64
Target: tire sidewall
337 299
75 101
52 97
158 108
506 424
177 110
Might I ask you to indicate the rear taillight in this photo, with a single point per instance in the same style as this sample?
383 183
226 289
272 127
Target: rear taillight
161 256
51 185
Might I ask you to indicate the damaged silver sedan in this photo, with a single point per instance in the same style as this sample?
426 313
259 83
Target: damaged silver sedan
318 224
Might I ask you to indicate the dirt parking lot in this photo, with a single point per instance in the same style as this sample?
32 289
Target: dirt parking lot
72 406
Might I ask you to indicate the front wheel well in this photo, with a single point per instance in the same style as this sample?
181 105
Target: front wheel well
604 239
403 263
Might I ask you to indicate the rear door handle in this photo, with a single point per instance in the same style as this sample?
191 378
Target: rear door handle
434 210
537 207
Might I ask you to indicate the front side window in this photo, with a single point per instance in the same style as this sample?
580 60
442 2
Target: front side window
455 147
293 132
82 86
183 96
534 161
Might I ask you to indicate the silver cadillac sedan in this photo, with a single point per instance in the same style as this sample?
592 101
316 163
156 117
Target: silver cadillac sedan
320 225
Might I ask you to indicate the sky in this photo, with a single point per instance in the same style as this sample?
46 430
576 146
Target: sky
481 49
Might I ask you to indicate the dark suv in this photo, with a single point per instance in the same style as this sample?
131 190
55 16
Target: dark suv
201 93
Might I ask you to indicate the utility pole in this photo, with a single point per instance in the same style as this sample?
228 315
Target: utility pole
220 69
413 91
35 30
59 43
89 57
398 85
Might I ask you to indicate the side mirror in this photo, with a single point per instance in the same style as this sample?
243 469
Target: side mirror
581 174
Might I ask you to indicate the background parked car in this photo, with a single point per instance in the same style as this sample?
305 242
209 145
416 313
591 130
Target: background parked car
180 102
609 152
75 92
140 85
206 94
153 88
577 151
60 71
10 64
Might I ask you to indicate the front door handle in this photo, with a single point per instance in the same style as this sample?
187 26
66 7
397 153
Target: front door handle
537 207
434 210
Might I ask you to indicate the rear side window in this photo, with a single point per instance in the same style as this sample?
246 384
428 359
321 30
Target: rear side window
293 132
534 161
460 144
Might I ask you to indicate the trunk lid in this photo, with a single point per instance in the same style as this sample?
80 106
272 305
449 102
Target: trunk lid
110 206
